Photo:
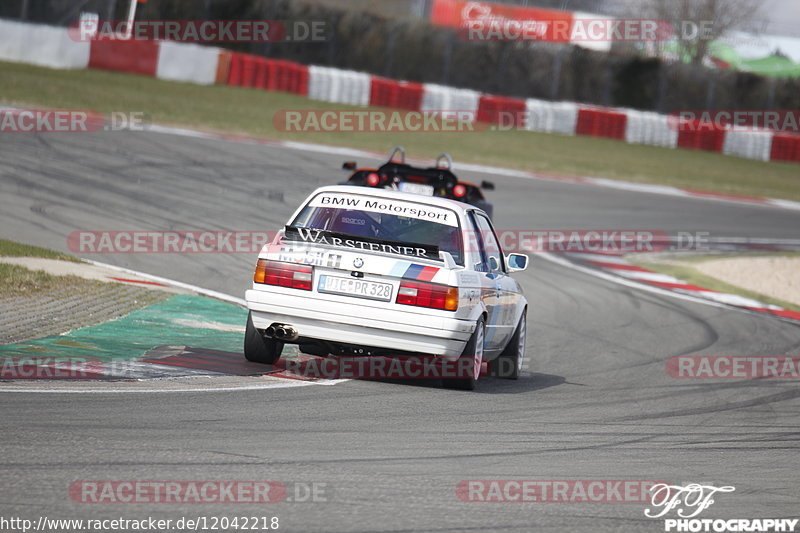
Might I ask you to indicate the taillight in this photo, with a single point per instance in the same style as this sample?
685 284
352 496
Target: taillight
284 274
430 295
459 191
373 179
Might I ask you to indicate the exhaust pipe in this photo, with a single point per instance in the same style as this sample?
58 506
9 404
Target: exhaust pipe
283 332
287 333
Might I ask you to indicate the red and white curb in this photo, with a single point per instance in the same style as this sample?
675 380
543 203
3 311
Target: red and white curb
619 267
107 377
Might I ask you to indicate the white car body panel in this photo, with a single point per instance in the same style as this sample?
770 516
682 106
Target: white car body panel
385 324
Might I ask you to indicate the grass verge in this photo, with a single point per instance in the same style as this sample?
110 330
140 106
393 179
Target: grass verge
16 280
16 249
248 111
689 274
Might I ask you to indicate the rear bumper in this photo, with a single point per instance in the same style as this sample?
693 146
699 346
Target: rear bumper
360 324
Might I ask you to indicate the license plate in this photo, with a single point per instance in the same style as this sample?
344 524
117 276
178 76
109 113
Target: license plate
416 188
358 288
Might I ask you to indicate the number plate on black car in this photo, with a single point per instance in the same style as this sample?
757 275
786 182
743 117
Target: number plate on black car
416 188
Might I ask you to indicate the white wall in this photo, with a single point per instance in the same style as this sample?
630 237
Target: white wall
187 62
45 46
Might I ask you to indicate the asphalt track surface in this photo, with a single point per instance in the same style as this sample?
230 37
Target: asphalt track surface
595 402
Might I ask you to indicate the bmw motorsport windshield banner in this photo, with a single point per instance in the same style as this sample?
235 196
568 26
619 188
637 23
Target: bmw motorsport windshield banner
386 206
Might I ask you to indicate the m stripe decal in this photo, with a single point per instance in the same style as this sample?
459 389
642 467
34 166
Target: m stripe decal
427 273
413 271
399 269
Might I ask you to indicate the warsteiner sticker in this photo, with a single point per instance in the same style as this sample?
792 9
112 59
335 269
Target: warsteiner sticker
320 237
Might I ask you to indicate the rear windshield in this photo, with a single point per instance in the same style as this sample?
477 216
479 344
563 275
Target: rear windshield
387 220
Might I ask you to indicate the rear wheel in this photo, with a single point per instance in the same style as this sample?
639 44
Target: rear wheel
258 349
470 360
509 364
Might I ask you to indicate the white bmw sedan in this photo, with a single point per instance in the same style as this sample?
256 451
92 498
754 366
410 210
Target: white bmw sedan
370 272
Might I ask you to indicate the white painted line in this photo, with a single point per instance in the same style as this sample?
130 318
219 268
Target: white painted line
640 187
510 172
735 299
199 290
600 257
277 385
324 149
185 132
647 276
754 240
786 204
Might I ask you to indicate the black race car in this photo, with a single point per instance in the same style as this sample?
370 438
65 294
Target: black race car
437 180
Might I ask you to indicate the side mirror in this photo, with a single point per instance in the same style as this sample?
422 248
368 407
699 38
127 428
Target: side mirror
517 262
487 185
349 165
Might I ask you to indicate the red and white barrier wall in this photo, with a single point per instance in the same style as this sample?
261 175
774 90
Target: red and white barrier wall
443 98
551 117
645 127
54 47
338 86
256 72
191 63
45 46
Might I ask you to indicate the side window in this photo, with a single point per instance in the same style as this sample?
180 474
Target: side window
473 241
493 252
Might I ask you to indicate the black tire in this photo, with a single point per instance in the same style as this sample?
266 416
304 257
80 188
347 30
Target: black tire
509 364
473 351
258 349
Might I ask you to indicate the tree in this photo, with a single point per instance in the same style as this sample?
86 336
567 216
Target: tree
696 23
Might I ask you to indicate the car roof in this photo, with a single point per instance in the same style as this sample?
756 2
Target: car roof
459 207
